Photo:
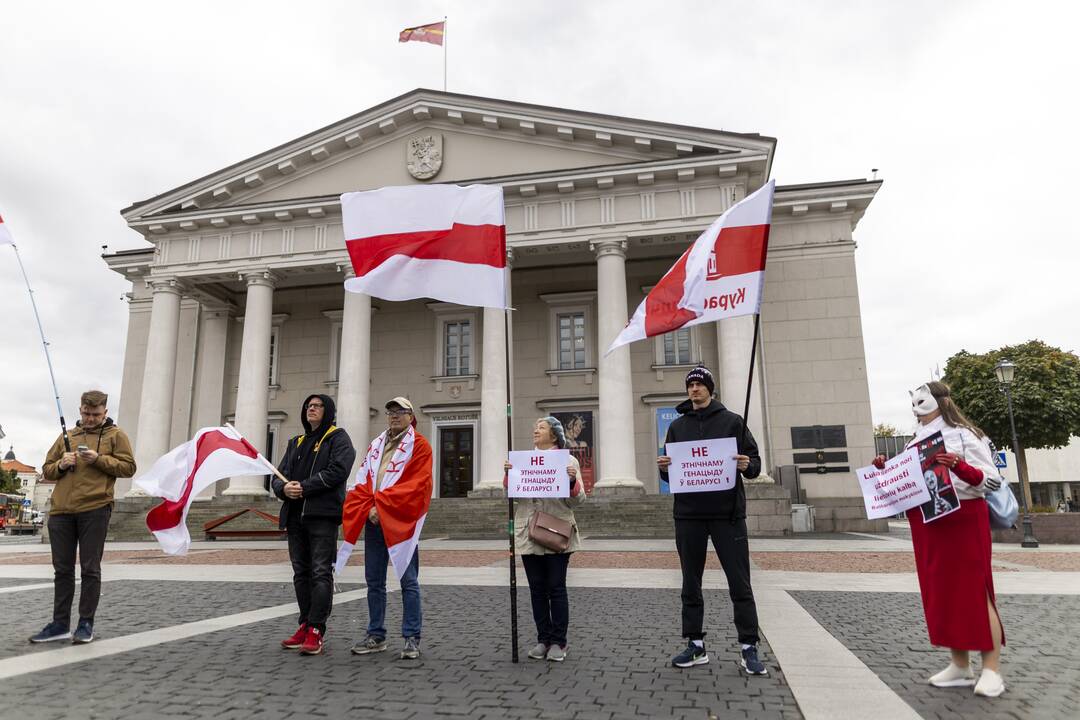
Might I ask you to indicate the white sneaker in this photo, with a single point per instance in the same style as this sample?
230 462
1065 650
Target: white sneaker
990 684
954 676
539 651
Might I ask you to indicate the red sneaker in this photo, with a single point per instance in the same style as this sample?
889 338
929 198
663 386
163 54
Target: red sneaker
313 643
297 638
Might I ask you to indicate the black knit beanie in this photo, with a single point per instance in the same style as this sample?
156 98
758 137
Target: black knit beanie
703 376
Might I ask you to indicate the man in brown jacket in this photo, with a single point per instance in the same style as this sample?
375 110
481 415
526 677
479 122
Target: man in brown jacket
80 512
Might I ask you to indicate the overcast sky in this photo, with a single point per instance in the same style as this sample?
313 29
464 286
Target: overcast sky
965 107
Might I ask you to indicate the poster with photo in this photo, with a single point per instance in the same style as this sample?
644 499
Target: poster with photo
943 498
578 425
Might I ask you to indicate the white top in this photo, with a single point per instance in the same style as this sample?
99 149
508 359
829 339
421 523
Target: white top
973 449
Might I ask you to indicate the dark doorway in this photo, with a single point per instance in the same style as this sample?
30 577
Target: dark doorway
455 461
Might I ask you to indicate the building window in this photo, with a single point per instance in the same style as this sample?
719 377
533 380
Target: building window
275 346
573 333
457 345
455 340
335 344
677 347
571 340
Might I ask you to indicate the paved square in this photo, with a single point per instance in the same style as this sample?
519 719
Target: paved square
198 637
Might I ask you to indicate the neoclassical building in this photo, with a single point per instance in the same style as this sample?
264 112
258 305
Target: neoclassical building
237 310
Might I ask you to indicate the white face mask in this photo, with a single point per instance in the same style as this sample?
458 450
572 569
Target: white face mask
922 401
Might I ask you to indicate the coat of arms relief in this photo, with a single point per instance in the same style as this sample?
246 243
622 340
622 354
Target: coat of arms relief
423 156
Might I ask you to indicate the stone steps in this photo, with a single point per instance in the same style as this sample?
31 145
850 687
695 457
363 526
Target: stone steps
643 516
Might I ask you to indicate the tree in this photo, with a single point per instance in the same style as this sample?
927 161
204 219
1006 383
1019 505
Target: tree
1045 396
9 482
885 430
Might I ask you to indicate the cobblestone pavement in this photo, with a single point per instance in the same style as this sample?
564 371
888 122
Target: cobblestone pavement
1040 663
620 645
130 606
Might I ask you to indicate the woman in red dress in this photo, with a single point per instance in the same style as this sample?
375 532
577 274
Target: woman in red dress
952 552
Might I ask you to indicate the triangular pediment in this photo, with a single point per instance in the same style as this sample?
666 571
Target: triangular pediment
467 138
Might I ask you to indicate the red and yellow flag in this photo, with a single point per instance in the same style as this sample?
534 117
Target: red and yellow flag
432 33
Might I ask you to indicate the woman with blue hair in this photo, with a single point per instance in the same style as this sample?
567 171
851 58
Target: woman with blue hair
544 567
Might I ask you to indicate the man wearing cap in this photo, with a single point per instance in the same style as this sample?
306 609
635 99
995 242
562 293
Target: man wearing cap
719 514
389 501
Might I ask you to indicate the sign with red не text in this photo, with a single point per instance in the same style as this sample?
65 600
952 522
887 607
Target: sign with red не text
897 488
538 474
702 465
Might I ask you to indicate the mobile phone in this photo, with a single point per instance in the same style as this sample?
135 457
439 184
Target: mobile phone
82 448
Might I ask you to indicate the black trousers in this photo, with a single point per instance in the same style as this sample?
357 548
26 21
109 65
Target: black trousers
731 545
312 550
550 603
83 532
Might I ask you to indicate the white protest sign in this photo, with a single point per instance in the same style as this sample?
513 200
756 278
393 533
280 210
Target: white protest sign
538 474
899 487
702 465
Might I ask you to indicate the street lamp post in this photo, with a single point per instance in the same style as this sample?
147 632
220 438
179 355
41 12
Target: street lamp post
1005 371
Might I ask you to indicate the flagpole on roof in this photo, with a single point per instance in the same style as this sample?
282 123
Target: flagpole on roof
45 346
444 40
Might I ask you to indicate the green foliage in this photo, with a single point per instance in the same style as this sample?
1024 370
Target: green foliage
9 482
1045 394
885 430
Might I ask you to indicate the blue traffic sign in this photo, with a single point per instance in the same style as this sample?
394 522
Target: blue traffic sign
26 502
999 459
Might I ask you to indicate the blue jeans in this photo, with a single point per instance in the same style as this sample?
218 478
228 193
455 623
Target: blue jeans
376 560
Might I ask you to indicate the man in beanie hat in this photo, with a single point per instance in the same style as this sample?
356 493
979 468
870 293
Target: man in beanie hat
719 514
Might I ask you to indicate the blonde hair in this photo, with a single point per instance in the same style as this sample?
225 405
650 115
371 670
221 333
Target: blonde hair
94 398
949 411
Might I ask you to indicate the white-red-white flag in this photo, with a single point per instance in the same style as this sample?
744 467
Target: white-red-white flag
439 241
721 275
213 454
5 235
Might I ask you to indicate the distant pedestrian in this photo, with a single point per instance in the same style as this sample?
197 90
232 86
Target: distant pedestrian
716 514
952 553
80 512
1062 506
546 567
317 465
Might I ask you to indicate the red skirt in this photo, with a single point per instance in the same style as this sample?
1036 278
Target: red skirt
952 557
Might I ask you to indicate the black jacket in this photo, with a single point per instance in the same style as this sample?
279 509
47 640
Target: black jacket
320 460
710 423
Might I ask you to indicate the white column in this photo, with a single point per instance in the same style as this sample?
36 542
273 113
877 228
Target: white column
252 396
735 337
210 372
354 369
618 471
493 381
159 376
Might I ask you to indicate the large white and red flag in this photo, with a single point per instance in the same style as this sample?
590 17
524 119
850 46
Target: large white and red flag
213 454
721 275
445 242
402 499
6 237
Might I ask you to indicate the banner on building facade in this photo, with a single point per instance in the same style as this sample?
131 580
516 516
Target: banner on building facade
896 488
538 474
702 465
578 426
664 418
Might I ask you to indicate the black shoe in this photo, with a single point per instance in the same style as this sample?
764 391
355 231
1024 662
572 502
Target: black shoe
84 633
52 632
750 662
692 655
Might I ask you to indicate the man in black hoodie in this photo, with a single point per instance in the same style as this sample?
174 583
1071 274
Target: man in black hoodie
317 465
719 514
